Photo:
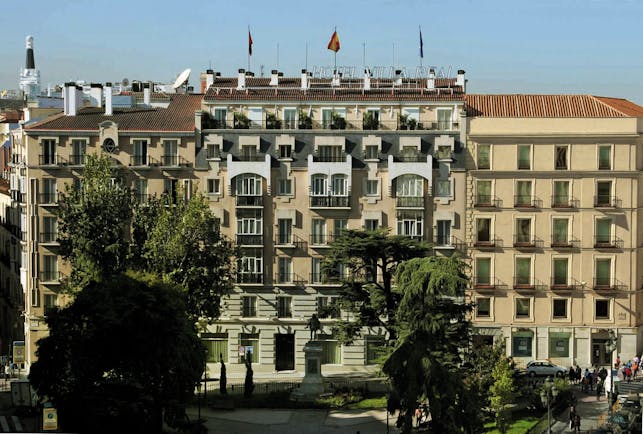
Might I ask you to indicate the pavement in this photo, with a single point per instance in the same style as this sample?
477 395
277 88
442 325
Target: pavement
592 413
260 421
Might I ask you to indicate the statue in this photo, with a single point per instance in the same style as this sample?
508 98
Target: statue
314 325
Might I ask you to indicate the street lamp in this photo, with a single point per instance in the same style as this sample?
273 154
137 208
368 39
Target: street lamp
610 346
547 395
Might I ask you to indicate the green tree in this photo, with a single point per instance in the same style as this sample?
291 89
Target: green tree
372 258
93 222
102 367
502 393
182 243
433 330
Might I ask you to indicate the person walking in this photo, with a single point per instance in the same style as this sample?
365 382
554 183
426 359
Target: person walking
576 427
572 416
599 388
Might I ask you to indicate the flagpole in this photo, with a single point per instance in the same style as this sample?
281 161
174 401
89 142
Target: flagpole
364 54
306 55
277 55
335 51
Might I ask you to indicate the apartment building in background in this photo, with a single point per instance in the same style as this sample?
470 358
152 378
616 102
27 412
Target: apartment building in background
553 213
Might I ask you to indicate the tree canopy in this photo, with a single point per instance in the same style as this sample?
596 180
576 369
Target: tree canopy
433 330
102 366
372 258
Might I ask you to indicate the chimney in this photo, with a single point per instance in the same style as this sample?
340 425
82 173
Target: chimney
304 79
430 82
66 98
460 81
398 77
336 78
96 95
367 79
147 94
79 98
72 99
241 81
108 99
209 78
274 77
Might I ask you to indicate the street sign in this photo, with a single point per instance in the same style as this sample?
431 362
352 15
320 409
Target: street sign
49 419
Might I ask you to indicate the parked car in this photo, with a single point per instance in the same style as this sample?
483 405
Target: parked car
545 368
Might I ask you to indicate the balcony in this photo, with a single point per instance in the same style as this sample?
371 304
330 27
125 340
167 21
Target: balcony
250 201
51 160
491 243
321 240
563 202
524 283
409 202
141 161
410 157
441 241
563 243
142 199
48 199
522 201
526 242
605 201
51 277
288 240
561 283
249 239
247 278
482 283
324 278
606 283
607 242
330 202
335 157
173 161
49 238
77 159
486 201
289 279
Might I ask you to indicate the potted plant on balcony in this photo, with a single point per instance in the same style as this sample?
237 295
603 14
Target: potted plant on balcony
272 123
305 121
407 123
241 121
337 121
370 122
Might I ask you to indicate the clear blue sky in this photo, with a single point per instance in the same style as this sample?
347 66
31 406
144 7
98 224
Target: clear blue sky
505 46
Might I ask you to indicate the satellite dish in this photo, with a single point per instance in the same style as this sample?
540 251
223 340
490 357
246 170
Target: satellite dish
182 78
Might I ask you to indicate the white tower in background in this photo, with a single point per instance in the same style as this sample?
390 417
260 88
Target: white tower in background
30 76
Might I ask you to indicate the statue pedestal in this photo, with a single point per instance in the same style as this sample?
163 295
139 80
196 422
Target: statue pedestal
313 383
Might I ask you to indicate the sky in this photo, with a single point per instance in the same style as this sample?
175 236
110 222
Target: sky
505 46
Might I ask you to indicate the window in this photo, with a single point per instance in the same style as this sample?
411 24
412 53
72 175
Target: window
484 156
140 153
284 307
285 151
603 193
330 154
284 187
249 346
49 194
284 234
327 307
50 229
603 232
290 118
316 270
213 151
339 226
250 223
483 307
318 234
443 237
250 268
216 345
48 151
409 186
375 346
602 309
523 307
284 266
371 224
319 186
524 157
249 185
220 115
170 153
521 344
50 303
410 223
523 193
561 194
560 152
559 343
483 230
255 116
371 120
371 152
214 186
50 270
603 270
523 272
249 152
331 350
559 308
79 152
523 232
442 188
170 189
560 272
339 185
604 157
483 193
444 119
140 191
560 232
248 306
372 187
483 272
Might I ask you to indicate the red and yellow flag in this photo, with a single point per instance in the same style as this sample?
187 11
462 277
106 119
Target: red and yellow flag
249 43
333 44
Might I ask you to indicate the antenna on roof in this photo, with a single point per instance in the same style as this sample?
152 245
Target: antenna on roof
182 79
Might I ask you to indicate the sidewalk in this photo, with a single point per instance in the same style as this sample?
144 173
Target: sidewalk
589 409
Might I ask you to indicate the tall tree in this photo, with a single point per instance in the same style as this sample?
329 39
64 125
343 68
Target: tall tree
502 393
372 258
101 366
182 243
93 222
433 330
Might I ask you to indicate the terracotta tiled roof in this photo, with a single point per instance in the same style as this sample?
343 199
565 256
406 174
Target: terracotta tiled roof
12 116
550 106
177 117
258 88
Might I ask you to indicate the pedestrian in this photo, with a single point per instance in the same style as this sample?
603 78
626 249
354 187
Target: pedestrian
617 363
7 371
599 388
586 380
572 416
572 375
576 423
627 373
578 373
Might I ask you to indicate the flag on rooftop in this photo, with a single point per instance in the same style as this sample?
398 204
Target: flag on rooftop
249 43
333 44
421 46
